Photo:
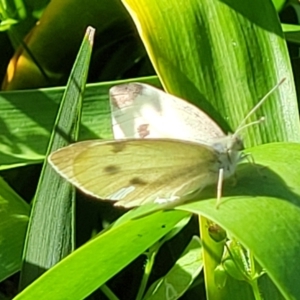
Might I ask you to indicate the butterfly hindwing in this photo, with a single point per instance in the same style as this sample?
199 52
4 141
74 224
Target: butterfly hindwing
136 171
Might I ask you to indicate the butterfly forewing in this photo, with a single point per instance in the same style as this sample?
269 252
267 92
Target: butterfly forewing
142 111
135 171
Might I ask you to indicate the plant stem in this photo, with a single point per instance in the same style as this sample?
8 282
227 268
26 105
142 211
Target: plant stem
255 290
108 292
148 267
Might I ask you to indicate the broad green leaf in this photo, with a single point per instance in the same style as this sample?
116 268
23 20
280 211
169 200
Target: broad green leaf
90 266
262 212
224 61
50 235
14 213
224 56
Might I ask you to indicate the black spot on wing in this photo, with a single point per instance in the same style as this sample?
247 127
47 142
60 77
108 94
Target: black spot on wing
111 170
118 147
137 181
143 130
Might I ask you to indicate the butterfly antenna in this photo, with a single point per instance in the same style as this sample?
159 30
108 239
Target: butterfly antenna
262 119
256 107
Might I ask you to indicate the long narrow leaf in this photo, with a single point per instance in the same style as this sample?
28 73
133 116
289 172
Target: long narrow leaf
50 235
93 264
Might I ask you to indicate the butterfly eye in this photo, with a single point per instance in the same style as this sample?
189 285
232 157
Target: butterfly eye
239 145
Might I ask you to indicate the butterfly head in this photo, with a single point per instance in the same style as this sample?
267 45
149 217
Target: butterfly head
228 152
234 143
229 144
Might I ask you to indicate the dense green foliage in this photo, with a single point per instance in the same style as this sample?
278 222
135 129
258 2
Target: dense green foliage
221 55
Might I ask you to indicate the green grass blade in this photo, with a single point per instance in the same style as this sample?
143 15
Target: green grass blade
93 264
279 4
292 33
50 235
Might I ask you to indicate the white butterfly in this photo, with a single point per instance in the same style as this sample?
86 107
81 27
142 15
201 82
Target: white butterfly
166 150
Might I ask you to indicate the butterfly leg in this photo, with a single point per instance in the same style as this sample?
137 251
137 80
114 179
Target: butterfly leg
249 157
219 187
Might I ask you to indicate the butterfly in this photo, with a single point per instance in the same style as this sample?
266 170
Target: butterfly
165 151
